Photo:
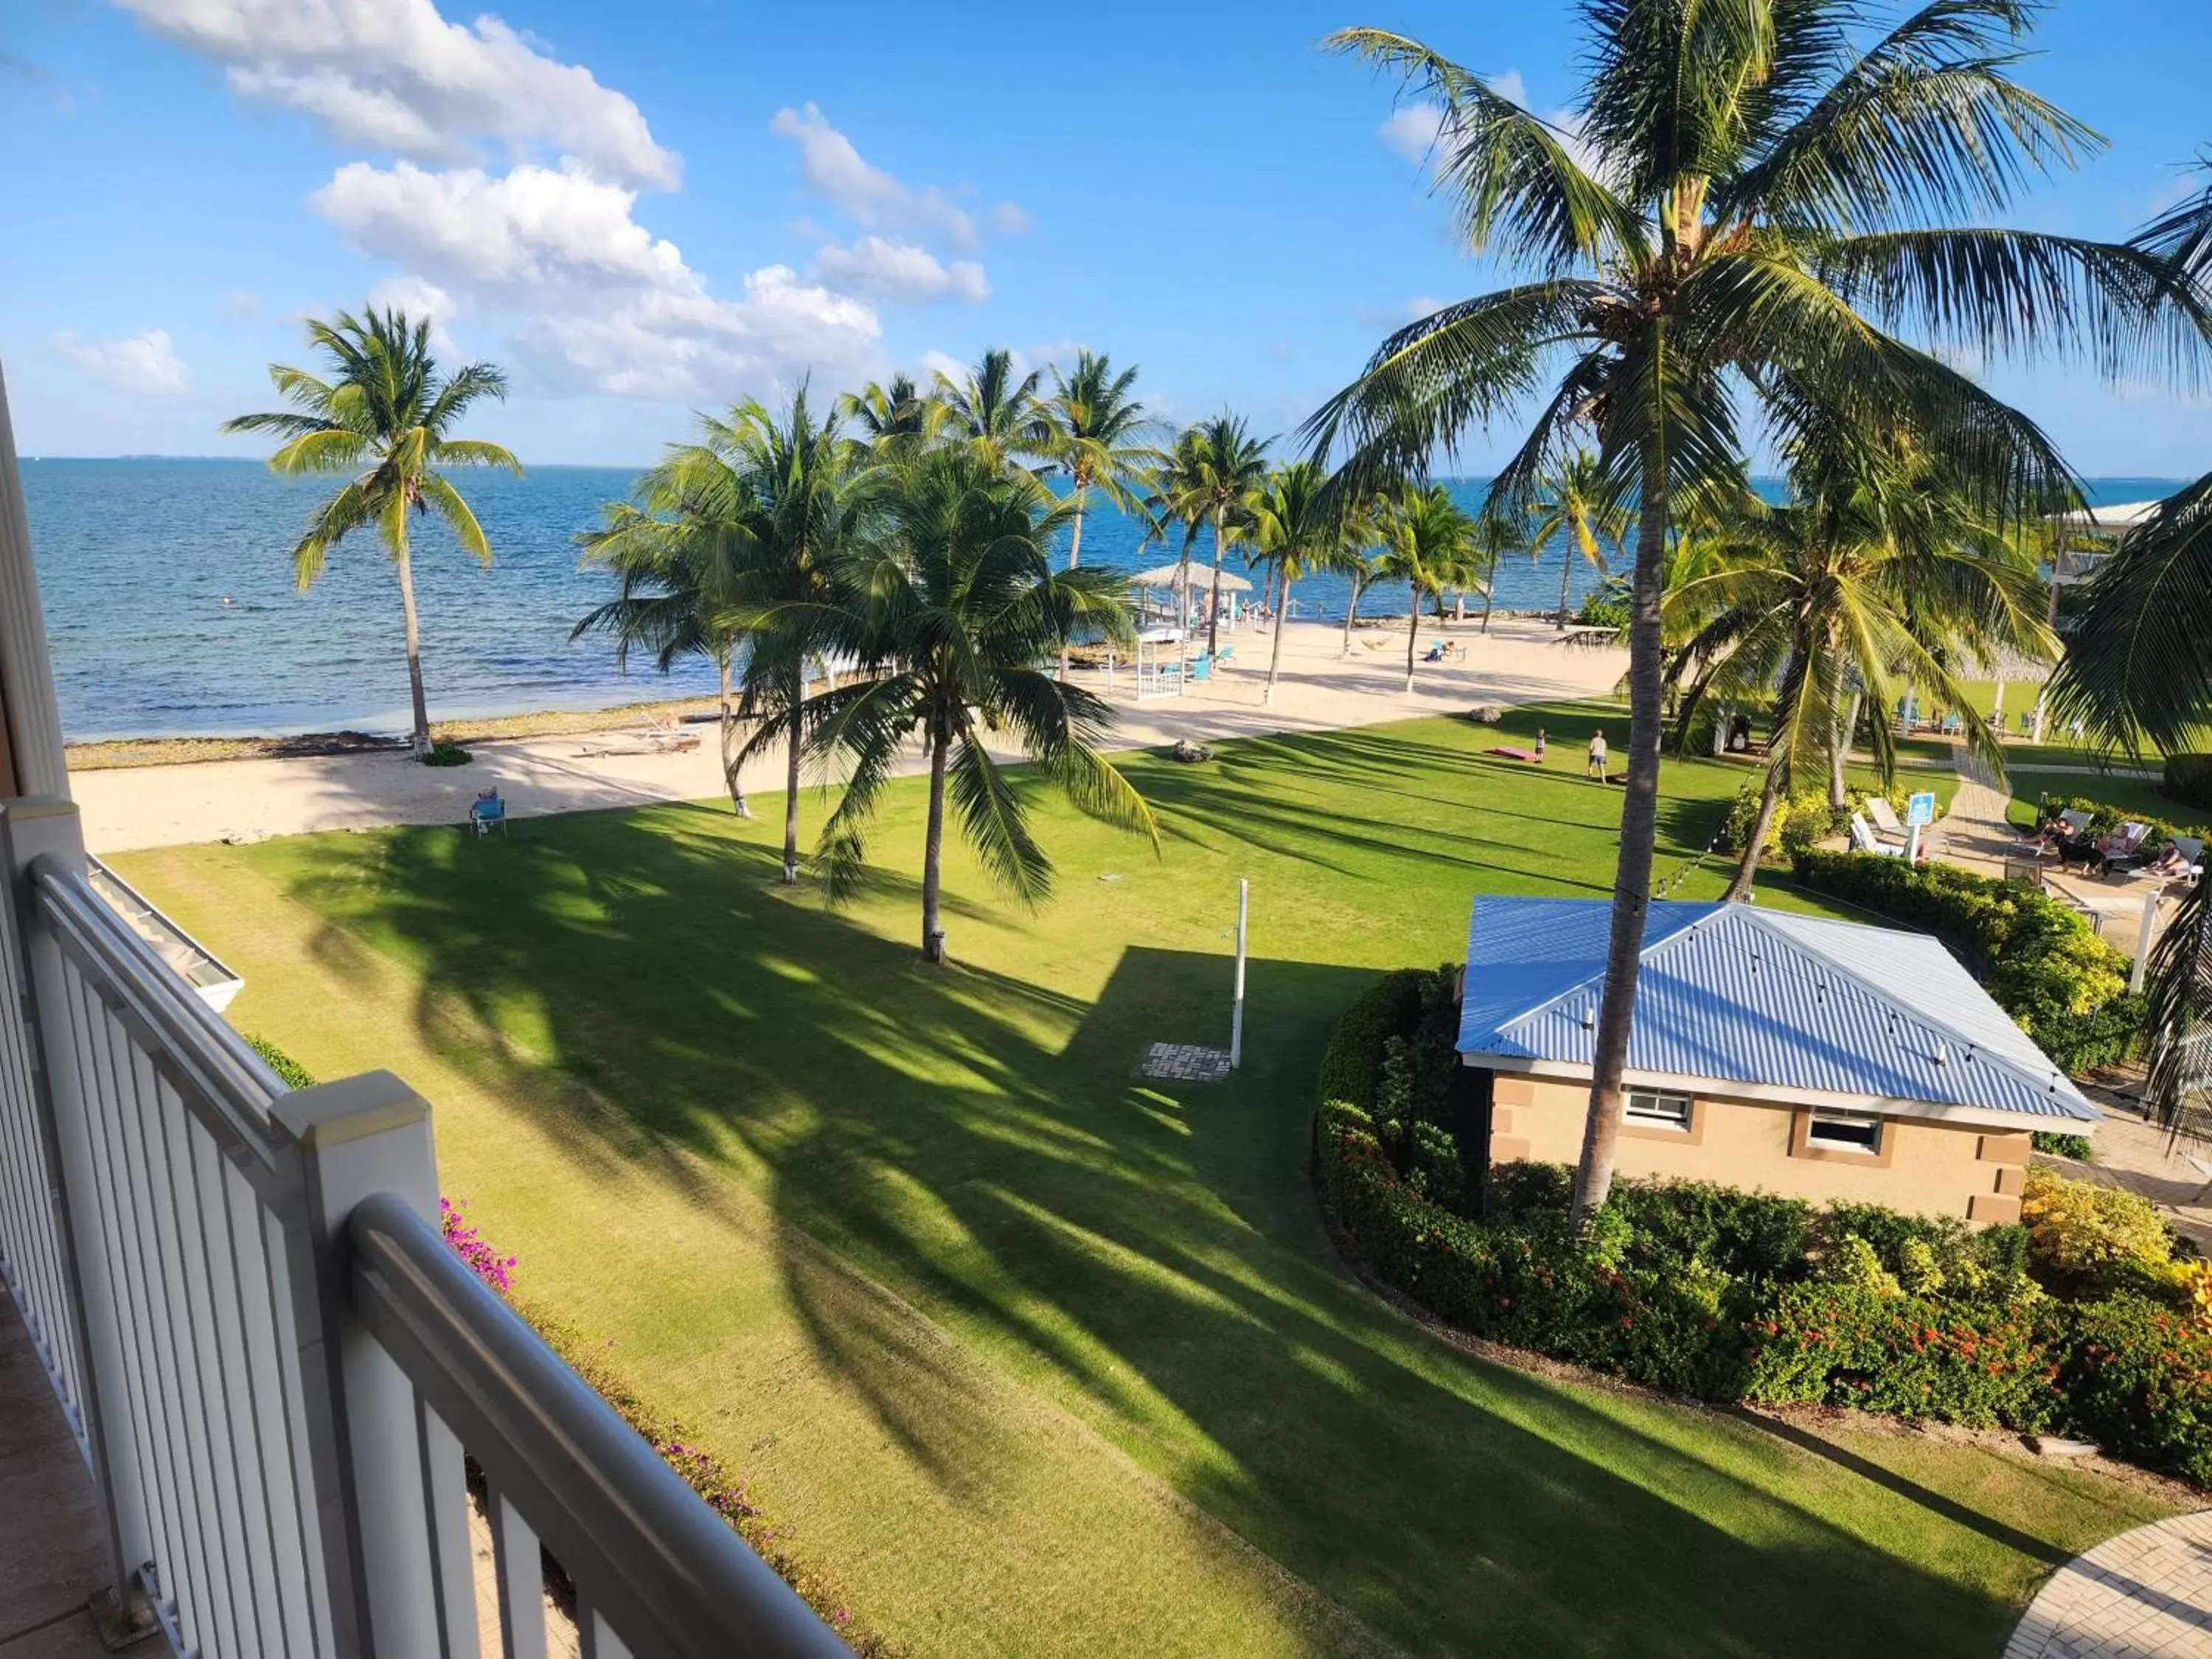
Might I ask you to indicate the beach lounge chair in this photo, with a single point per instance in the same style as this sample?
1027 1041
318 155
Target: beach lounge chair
1953 725
2124 847
1201 668
655 734
1884 816
1863 839
488 812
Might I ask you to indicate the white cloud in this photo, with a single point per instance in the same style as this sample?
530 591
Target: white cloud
899 270
1413 128
871 197
1008 220
609 307
1423 305
944 364
242 304
1510 87
419 299
395 76
143 365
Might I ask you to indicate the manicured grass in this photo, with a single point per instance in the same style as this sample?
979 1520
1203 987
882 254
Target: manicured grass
1039 1358
2136 797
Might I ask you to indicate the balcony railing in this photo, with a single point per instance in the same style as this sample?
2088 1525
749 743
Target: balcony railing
276 1370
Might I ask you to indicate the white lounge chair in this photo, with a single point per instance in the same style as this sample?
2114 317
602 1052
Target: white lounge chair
1884 816
1863 839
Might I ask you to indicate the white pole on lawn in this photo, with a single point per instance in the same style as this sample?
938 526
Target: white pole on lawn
1237 1010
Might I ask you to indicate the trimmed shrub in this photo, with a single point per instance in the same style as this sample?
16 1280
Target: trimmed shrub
2138 1380
2188 780
2087 1237
288 1071
1848 1342
447 754
2042 963
2081 1148
1352 1065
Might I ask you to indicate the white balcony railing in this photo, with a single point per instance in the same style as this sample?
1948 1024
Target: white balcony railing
275 1368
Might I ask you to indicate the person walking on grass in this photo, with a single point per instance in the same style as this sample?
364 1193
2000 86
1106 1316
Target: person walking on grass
1539 746
1596 769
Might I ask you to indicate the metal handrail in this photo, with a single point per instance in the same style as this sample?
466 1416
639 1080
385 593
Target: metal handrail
671 1577
230 1076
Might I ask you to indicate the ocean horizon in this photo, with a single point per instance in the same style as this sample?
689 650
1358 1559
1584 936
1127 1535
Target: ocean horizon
171 610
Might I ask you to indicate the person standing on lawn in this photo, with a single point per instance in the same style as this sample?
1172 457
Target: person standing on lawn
1597 757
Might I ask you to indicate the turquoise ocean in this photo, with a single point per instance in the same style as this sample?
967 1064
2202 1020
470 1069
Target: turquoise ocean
171 610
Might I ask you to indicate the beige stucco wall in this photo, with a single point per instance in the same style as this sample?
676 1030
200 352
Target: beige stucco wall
1924 1167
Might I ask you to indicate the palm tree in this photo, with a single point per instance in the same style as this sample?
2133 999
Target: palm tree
953 610
889 415
1430 543
994 411
676 574
731 542
1574 503
1300 527
1214 477
1755 196
1880 571
1359 571
383 407
1497 537
1096 433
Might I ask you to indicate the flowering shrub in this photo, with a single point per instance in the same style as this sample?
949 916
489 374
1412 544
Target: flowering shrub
2139 1380
466 1243
1352 1067
1846 1343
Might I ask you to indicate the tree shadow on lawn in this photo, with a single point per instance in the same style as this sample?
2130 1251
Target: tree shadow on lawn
981 1145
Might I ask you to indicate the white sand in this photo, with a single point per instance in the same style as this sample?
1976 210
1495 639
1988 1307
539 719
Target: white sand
1319 688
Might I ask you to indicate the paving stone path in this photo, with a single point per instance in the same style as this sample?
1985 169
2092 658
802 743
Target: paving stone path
2145 1595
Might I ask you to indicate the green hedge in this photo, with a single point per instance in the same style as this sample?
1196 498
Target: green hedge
2188 780
1353 1063
288 1071
2043 963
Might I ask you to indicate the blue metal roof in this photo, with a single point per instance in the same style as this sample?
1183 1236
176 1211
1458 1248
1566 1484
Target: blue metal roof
1740 994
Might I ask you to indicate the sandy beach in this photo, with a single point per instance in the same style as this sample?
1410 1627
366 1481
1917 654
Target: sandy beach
1319 687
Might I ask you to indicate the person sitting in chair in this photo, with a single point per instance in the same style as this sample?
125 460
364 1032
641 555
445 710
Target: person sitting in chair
2169 865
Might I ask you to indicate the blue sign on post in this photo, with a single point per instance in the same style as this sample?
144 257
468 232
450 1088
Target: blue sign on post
1921 809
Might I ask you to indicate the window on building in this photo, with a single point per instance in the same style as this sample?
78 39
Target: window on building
1653 1110
1845 1132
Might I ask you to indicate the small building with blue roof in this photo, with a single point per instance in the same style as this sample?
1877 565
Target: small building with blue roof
1770 1051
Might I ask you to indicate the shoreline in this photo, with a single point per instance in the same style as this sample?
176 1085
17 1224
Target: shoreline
117 753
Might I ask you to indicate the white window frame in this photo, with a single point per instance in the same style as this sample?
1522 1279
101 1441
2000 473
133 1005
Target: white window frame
1655 1119
1815 1138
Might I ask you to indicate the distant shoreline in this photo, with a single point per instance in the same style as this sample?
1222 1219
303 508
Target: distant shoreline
111 754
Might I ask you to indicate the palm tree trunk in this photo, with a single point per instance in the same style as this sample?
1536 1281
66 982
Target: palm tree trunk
932 854
406 569
798 694
1074 554
1489 592
1275 651
1632 887
1566 574
1840 751
1754 846
1350 615
1412 630
1213 598
730 737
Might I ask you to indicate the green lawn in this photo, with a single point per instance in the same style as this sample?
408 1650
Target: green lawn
1039 1359
2136 797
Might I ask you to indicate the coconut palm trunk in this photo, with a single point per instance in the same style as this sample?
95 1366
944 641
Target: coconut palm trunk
1754 844
791 779
1352 613
932 853
1839 752
1275 651
1074 548
1638 819
1566 572
405 567
1412 630
730 745
1213 597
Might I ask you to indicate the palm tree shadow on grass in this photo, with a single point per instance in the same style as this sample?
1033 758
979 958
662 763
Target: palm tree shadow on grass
1150 1253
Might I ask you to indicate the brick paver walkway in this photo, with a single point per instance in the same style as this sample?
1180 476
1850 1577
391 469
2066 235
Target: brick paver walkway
2145 1595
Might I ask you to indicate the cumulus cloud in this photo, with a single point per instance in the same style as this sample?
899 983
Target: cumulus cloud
1414 129
1008 220
899 270
871 197
395 76
144 365
419 299
241 305
611 308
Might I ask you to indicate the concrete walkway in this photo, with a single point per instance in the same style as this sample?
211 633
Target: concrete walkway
2145 1595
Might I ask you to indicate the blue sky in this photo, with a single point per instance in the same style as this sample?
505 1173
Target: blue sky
645 208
